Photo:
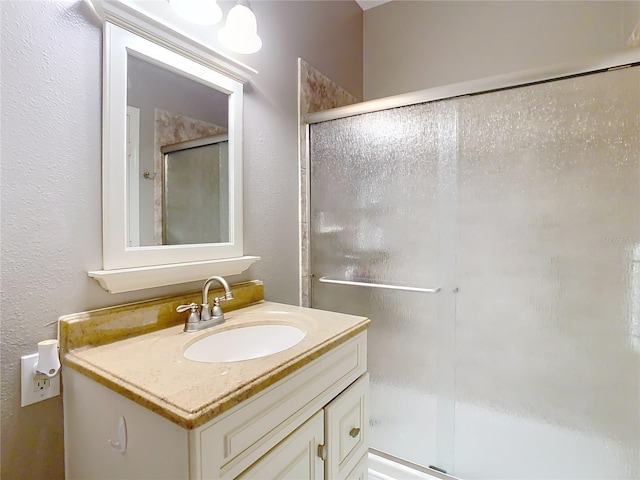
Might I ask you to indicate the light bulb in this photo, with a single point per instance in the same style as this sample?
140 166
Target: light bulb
202 12
240 33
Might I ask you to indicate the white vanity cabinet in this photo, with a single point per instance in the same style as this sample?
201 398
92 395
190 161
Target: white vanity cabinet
309 424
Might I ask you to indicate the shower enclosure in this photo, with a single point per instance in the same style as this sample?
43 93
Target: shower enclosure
493 239
195 179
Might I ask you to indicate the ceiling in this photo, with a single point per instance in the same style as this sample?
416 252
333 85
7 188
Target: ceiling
367 4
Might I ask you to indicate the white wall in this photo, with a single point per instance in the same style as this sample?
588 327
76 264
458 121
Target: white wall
413 45
51 231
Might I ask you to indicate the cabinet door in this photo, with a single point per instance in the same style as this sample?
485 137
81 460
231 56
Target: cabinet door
296 457
361 470
347 426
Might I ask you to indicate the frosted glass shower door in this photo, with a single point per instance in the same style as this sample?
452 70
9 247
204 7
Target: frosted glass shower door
523 206
376 185
547 337
196 194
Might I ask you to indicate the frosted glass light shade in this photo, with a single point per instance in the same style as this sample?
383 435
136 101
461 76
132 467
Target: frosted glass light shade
202 12
240 33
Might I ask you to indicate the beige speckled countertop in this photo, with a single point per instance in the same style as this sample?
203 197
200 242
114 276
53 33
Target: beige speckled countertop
151 369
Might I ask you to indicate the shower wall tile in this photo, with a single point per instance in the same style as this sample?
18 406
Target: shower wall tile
634 38
316 92
304 277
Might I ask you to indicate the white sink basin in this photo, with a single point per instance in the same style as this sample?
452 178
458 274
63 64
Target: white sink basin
244 343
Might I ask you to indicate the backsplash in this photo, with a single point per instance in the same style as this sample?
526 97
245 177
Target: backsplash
106 325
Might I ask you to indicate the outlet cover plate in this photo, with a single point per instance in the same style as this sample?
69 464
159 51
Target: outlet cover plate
33 392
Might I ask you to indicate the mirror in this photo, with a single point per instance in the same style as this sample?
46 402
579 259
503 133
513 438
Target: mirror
172 159
195 187
171 151
177 154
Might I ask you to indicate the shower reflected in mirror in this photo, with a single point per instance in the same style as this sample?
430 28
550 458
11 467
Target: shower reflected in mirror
175 123
196 191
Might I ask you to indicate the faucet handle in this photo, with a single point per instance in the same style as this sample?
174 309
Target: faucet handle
228 295
183 308
217 311
194 316
224 298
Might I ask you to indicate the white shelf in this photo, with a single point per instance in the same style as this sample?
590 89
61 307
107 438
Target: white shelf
139 278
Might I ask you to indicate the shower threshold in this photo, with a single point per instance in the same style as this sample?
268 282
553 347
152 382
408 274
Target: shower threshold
383 466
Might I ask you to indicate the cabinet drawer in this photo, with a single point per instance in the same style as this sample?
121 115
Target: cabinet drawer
347 426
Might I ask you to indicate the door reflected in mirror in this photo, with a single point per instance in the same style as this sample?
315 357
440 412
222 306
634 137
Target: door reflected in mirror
177 158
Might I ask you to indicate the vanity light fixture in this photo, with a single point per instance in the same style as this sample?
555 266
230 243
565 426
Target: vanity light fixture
240 33
202 12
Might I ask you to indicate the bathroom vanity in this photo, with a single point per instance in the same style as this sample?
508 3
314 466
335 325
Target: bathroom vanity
135 407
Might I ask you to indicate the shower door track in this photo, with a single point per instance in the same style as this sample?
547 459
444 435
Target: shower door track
430 472
624 58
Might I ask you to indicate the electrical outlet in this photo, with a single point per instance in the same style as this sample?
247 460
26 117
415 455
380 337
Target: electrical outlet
36 388
41 382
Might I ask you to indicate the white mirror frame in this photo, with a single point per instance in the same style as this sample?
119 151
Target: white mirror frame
133 268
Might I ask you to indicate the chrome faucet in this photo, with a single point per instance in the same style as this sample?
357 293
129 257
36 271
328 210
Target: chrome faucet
205 318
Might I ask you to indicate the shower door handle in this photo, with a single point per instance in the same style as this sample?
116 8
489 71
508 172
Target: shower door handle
378 285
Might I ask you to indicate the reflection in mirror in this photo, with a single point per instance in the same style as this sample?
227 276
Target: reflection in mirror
196 182
165 110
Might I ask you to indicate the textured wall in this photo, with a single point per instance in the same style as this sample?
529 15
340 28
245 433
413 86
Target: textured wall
411 45
51 180
329 36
